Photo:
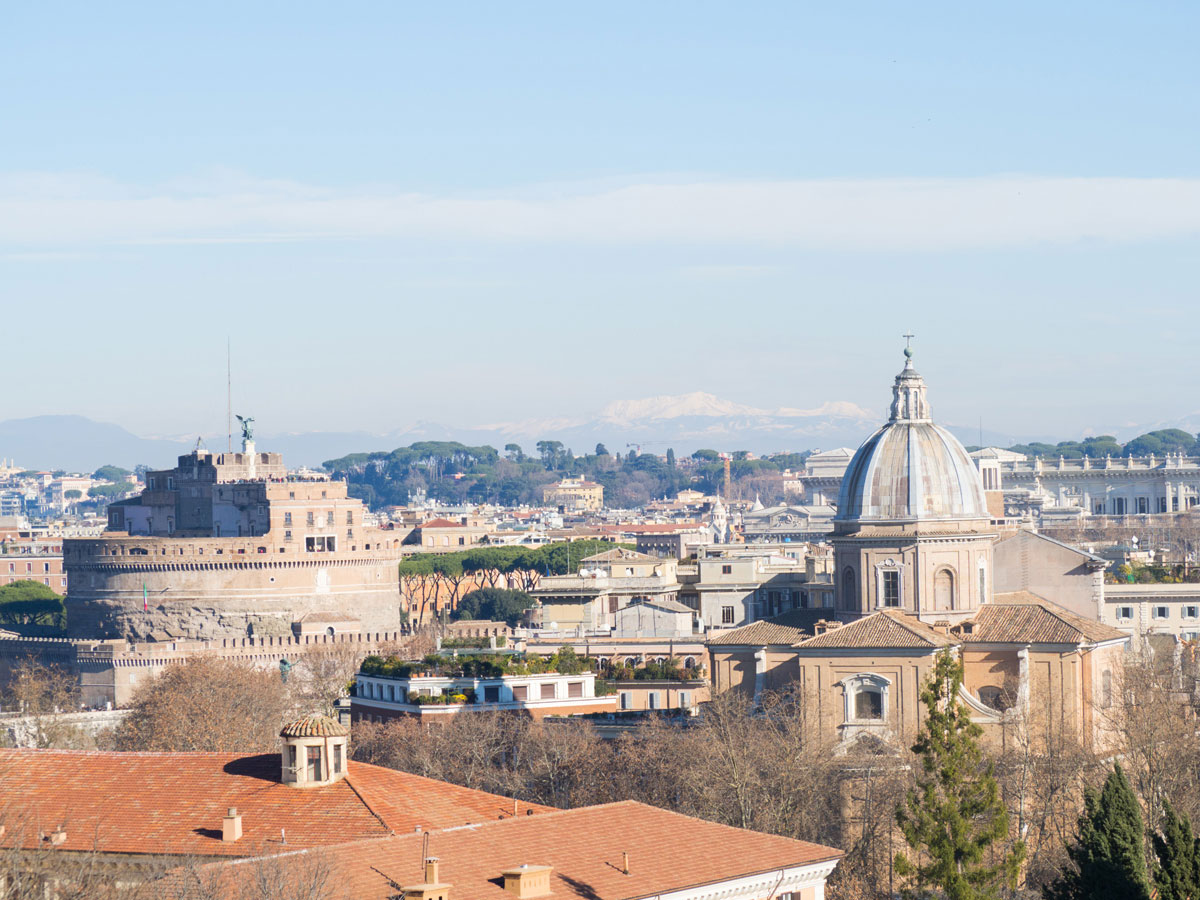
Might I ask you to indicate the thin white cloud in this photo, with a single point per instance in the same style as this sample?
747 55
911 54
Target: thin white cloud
40 209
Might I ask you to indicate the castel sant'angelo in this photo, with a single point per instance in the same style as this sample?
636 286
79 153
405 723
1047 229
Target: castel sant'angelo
230 545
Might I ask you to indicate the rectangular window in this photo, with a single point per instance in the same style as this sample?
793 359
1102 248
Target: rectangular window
287 535
656 699
868 704
1124 613
520 692
312 520
726 615
491 693
314 763
287 518
891 588
337 759
726 570
1191 612
575 689
1118 506
547 690
1143 505
685 699
626 700
1162 612
349 517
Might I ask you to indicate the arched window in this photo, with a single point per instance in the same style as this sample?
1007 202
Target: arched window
943 589
689 662
997 698
866 699
848 592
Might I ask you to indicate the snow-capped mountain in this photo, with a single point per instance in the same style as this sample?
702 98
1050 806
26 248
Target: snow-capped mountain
684 422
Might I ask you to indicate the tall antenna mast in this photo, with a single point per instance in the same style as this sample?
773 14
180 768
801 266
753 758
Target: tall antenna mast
228 396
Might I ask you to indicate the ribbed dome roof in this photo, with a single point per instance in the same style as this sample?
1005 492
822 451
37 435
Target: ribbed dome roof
911 469
315 726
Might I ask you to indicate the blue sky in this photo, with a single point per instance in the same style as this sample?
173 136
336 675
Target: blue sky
480 212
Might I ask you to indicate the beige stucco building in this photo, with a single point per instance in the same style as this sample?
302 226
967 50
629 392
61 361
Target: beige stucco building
574 495
604 584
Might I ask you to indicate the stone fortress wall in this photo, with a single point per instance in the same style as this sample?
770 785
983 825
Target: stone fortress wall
208 588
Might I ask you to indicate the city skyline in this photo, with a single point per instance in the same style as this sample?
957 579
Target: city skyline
404 216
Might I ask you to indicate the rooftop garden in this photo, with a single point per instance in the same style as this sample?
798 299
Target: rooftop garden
1127 573
488 665
668 670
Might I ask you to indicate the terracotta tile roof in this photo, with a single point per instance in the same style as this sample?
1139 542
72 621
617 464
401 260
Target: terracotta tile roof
441 523
886 629
315 726
174 802
584 848
788 629
1024 618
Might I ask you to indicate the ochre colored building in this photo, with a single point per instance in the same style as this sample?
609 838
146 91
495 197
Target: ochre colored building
574 495
913 544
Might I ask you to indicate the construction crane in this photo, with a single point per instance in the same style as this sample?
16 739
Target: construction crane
638 447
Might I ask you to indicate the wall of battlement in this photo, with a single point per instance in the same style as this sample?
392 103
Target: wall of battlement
206 588
119 548
110 671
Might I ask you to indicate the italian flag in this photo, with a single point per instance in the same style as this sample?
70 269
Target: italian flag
145 599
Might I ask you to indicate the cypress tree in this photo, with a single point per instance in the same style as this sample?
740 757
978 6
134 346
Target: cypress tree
955 814
1177 872
1110 855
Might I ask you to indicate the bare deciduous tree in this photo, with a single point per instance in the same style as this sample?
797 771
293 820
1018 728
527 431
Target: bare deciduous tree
207 703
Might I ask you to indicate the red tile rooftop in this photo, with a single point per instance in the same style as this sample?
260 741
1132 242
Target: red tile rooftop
586 849
174 802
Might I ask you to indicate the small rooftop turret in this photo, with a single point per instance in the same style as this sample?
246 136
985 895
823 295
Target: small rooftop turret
314 751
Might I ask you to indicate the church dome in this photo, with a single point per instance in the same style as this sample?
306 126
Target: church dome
911 469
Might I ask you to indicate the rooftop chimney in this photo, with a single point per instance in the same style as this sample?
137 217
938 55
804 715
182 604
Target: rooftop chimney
231 826
431 888
527 881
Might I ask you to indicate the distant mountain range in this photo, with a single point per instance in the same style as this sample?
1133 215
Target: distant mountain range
686 422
